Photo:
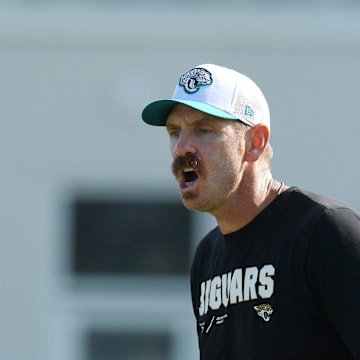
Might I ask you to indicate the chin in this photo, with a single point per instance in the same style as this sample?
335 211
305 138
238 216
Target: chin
191 203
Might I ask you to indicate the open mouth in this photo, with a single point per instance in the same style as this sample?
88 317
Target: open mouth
187 170
190 176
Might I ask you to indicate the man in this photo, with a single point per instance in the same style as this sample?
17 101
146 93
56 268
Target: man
279 278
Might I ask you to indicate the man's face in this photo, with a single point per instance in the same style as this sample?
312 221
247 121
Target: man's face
207 157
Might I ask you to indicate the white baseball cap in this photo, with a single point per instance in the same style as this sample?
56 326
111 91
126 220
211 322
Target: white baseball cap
217 91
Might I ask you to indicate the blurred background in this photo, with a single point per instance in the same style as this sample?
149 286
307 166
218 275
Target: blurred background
95 246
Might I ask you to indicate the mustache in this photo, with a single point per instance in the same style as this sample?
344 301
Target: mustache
188 160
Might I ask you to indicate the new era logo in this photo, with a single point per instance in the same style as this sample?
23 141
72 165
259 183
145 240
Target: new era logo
249 111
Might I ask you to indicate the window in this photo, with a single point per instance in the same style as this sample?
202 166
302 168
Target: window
112 345
130 237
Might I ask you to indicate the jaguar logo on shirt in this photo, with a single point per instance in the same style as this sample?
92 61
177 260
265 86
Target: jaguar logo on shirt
264 311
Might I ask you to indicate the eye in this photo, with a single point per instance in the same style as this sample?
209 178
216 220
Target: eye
204 131
173 132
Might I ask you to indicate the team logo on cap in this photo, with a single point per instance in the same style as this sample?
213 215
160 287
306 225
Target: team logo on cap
194 78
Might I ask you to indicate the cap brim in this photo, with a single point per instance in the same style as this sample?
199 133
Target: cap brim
157 112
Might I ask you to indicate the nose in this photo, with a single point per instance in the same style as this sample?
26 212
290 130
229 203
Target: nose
184 144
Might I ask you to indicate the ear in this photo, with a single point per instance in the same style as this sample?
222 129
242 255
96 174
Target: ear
256 143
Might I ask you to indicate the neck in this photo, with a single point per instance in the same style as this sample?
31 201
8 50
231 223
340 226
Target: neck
250 200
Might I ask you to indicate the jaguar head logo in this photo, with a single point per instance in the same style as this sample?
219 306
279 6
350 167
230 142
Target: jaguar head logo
264 311
194 78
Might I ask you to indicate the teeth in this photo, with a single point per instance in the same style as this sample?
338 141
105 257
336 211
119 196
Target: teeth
188 169
188 183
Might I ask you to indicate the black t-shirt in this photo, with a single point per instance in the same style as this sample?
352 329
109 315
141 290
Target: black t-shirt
285 286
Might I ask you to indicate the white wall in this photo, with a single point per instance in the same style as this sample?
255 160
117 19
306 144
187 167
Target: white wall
72 87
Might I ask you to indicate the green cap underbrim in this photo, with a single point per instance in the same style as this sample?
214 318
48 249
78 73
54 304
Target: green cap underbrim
157 112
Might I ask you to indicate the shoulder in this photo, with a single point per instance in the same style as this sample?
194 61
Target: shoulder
316 206
209 242
334 235
337 229
317 221
315 199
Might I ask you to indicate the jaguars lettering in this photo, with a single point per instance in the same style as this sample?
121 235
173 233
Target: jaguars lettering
235 287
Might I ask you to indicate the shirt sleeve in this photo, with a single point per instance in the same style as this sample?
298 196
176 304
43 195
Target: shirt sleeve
334 272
